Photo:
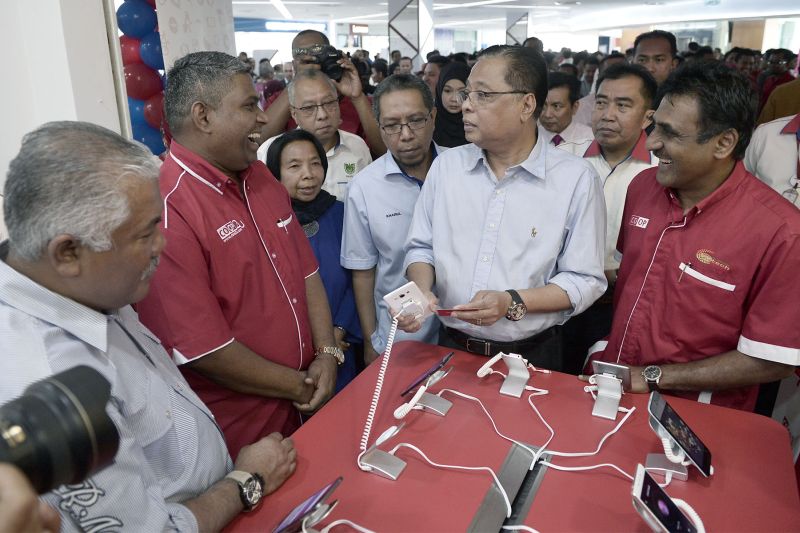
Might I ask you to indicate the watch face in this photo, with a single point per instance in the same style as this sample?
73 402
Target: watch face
651 373
252 491
516 312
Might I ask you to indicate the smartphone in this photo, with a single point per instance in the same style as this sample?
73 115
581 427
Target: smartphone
425 375
408 300
662 415
656 507
620 371
294 520
448 312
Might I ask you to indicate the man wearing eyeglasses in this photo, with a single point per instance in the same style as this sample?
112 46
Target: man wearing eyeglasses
508 230
356 111
381 202
777 73
314 104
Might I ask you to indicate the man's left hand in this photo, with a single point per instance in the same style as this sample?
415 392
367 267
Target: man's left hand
487 308
638 383
322 375
350 84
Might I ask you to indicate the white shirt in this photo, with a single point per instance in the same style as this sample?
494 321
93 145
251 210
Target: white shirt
615 189
772 155
542 223
576 138
349 156
170 448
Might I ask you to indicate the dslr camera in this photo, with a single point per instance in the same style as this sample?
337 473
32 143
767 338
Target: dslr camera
327 57
58 431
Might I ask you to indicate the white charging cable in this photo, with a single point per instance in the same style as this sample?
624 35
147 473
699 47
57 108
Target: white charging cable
520 527
340 522
691 513
592 389
457 467
486 370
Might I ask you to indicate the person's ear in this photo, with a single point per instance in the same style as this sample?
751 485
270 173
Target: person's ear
64 253
200 115
528 107
725 143
648 118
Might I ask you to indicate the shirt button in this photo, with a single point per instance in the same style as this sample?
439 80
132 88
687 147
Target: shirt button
219 185
169 415
294 300
274 256
485 258
491 226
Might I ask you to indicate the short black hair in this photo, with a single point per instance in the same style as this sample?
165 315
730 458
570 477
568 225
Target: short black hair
526 71
382 67
535 43
438 60
570 67
275 150
613 55
559 79
624 70
401 82
592 60
657 34
432 53
725 100
322 36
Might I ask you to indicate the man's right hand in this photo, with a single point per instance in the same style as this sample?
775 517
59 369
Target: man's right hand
273 458
410 324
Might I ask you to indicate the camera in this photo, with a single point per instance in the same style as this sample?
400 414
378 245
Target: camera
58 431
328 59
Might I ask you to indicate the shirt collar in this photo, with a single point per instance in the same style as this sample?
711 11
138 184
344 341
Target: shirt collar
393 168
336 146
534 164
734 180
202 170
639 152
793 126
20 292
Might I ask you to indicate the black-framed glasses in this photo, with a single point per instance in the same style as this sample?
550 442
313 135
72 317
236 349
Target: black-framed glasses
312 50
310 110
481 97
413 124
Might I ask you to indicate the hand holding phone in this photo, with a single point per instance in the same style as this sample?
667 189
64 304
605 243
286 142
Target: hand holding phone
410 306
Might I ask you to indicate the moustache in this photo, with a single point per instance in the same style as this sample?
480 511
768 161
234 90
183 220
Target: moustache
151 268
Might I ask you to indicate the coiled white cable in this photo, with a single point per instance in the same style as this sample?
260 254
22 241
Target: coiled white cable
691 513
456 467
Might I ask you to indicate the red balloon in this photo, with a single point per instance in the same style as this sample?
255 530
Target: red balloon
141 81
130 50
152 3
154 110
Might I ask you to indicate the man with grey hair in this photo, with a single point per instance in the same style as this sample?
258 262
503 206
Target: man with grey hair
315 107
238 300
380 204
83 208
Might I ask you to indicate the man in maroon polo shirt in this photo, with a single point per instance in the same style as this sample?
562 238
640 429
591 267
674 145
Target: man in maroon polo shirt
238 300
710 254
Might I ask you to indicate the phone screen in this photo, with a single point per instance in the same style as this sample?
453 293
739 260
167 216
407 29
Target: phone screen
662 506
686 439
294 520
425 375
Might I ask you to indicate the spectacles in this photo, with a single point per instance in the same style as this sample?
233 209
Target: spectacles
312 50
310 110
792 194
481 97
413 124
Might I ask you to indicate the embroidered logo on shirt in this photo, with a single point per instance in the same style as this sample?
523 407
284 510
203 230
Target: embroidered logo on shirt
706 256
394 214
534 233
230 230
639 222
350 168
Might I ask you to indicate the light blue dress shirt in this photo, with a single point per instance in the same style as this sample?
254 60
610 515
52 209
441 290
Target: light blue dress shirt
170 449
377 214
543 222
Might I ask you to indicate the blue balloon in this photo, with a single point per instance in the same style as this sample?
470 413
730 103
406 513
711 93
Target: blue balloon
150 51
136 19
149 137
137 112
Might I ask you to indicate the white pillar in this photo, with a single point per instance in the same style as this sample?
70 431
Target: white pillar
411 28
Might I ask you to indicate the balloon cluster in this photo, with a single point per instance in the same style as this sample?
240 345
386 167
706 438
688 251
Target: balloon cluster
142 59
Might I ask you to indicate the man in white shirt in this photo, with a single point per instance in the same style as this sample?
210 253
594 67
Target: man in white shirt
82 206
314 105
556 124
773 156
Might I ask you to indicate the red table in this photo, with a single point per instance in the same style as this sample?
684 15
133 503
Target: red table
753 487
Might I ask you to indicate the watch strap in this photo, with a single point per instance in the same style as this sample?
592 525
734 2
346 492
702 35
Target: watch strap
516 299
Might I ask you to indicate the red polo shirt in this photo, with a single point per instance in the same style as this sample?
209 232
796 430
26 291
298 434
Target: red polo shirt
234 268
722 277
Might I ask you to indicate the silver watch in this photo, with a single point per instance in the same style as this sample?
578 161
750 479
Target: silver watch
251 488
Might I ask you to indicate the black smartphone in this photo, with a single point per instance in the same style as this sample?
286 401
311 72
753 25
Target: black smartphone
294 520
664 416
425 375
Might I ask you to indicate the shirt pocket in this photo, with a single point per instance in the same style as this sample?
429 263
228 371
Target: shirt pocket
687 270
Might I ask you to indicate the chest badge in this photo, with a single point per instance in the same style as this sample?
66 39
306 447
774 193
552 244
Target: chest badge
706 257
534 232
350 168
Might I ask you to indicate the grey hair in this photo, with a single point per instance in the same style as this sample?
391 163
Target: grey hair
199 77
308 74
70 178
401 82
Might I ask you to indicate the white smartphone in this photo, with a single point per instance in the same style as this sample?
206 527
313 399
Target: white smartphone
656 507
664 417
620 371
409 301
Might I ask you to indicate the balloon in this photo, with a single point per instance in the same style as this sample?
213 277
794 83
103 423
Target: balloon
154 110
152 3
141 81
130 50
136 108
136 19
150 51
149 137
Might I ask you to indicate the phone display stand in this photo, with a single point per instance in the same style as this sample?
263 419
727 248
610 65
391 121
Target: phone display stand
318 515
434 404
659 464
518 376
609 394
383 464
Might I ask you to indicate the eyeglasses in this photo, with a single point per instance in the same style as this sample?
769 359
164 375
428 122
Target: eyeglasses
314 49
481 97
792 194
413 124
310 110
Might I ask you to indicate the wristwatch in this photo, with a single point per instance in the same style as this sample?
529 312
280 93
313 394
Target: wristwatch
652 375
517 308
335 351
251 488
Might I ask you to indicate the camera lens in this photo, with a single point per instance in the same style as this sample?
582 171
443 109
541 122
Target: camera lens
58 431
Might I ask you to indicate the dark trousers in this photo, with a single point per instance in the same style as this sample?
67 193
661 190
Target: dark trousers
583 330
543 350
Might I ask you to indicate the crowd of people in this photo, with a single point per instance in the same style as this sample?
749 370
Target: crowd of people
621 207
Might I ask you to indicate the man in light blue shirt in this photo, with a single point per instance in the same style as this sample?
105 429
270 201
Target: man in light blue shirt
508 230
380 204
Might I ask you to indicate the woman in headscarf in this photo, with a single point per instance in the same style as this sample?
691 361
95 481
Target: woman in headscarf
449 129
297 160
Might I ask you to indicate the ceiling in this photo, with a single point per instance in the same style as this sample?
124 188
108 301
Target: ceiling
547 15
